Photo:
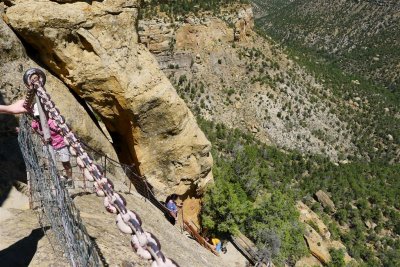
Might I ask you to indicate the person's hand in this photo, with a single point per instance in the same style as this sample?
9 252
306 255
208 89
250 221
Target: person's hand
17 107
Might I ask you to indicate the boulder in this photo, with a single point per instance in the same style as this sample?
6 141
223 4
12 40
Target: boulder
316 245
318 240
93 48
370 225
325 200
311 218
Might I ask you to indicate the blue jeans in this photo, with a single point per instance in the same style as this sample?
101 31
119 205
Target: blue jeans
218 247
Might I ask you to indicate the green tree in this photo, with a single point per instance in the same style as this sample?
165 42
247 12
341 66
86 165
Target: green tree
225 206
337 256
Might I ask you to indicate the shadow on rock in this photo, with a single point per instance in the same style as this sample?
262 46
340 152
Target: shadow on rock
21 253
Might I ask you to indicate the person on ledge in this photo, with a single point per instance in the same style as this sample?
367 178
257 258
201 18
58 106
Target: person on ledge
15 108
172 206
57 142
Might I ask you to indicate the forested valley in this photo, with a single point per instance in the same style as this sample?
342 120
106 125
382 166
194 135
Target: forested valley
257 185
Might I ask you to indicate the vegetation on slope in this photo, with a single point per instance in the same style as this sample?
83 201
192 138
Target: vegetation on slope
358 61
360 36
368 114
375 120
176 8
257 185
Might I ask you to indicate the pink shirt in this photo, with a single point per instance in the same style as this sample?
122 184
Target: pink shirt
57 141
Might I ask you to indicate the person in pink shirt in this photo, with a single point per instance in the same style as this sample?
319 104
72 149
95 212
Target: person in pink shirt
56 141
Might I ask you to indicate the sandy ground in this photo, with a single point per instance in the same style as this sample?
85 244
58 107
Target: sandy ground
22 240
233 257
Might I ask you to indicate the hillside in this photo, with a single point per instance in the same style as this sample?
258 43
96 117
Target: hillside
229 74
336 131
361 37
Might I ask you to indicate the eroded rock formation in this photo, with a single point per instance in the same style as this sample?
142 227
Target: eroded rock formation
93 48
14 62
163 35
318 238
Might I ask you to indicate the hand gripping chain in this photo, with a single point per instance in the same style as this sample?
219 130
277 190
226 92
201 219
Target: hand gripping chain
144 243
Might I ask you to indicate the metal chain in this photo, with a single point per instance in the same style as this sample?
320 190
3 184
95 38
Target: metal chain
52 204
144 243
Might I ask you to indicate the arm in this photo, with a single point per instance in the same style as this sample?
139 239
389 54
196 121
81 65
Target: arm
15 108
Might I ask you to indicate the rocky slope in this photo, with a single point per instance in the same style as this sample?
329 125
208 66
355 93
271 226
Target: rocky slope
247 82
318 239
93 48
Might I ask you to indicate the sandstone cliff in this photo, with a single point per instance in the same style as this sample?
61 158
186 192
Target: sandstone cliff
93 48
245 81
14 62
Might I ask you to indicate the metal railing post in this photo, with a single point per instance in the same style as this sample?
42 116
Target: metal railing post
45 129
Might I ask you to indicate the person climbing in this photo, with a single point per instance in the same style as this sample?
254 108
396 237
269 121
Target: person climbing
172 206
57 142
14 108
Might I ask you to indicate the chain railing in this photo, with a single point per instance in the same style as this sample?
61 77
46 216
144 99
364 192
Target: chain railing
53 203
53 197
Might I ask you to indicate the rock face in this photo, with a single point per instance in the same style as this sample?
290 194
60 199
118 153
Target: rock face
318 238
244 81
315 244
94 49
14 62
162 35
157 34
325 200
244 22
308 261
